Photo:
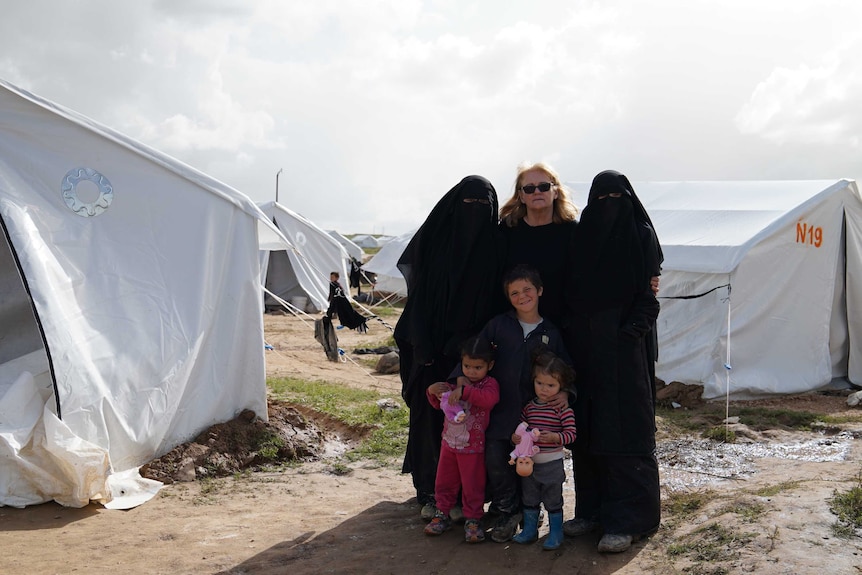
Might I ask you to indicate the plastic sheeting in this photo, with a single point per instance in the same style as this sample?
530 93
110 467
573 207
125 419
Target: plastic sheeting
142 277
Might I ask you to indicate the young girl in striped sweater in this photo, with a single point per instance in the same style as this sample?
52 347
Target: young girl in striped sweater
545 485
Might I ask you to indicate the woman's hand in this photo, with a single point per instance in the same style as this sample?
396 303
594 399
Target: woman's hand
438 389
560 401
516 439
653 284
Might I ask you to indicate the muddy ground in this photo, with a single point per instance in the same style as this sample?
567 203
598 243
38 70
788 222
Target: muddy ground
760 505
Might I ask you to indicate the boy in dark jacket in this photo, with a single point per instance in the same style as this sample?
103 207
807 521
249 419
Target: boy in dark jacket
516 334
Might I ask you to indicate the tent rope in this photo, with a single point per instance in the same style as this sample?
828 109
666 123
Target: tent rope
727 285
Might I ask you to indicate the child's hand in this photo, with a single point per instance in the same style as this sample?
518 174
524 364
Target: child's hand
551 437
516 439
455 396
438 389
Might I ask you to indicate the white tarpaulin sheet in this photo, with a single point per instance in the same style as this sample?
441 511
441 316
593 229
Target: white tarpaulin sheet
385 265
143 324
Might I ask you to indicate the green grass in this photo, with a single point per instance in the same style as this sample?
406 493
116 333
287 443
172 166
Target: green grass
711 544
358 407
848 507
757 418
772 490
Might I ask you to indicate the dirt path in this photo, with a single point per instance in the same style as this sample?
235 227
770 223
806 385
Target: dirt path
313 518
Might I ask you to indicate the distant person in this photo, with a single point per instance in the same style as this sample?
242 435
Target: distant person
612 314
461 468
544 486
452 266
335 290
518 335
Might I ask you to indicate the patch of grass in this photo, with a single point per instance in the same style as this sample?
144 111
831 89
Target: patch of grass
711 544
848 507
757 418
749 511
842 419
772 490
721 434
354 407
682 505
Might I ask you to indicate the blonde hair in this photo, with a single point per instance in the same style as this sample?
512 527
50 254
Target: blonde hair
513 211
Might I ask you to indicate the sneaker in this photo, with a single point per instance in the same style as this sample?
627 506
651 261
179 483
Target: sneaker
429 510
456 514
614 543
579 526
505 528
473 532
438 525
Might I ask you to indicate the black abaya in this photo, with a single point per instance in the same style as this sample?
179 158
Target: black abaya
612 314
452 266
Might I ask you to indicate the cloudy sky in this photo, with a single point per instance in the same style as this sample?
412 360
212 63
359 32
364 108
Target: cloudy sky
374 108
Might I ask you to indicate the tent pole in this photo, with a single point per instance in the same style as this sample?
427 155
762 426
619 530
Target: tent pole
727 369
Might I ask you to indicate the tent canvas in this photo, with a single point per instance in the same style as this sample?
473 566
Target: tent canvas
303 270
366 241
130 308
352 249
385 265
783 247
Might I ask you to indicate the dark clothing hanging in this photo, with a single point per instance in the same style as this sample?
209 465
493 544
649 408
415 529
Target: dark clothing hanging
452 266
543 248
347 316
612 313
355 276
324 333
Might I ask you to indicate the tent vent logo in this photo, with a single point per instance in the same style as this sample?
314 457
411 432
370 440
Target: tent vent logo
70 192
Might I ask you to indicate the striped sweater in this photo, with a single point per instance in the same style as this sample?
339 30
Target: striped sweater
545 418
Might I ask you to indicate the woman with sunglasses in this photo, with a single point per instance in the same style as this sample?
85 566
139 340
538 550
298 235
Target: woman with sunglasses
538 223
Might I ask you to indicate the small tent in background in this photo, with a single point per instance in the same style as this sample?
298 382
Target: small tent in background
353 250
789 255
301 275
130 308
366 241
384 264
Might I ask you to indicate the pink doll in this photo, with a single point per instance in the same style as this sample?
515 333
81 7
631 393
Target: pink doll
522 455
457 412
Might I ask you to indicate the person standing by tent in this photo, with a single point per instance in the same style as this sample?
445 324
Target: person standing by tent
452 266
612 312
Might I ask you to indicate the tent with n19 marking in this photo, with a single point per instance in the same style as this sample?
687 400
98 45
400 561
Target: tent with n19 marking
761 287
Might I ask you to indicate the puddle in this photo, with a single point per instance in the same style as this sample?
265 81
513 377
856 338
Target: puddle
686 464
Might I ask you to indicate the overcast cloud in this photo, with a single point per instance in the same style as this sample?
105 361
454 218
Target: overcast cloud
375 108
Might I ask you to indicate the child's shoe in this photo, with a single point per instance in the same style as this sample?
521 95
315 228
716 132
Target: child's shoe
473 532
438 525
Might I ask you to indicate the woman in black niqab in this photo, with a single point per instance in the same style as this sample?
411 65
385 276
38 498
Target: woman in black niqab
612 312
452 266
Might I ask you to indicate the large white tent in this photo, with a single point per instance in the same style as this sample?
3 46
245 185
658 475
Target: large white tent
300 275
384 264
130 308
789 256
353 250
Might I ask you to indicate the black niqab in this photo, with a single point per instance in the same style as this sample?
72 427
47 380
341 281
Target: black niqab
452 267
618 250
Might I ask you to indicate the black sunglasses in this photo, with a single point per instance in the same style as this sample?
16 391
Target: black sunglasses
530 188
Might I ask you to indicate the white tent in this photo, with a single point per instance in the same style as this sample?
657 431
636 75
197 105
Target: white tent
791 252
353 250
301 275
366 241
130 308
385 265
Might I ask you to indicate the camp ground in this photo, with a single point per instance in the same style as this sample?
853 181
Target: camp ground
130 306
298 277
761 288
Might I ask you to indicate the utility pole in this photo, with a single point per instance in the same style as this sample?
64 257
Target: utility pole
276 184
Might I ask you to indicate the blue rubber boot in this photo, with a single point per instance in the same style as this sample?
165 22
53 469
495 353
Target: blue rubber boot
555 533
530 532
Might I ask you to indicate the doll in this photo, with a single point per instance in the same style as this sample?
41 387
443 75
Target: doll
522 456
457 412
